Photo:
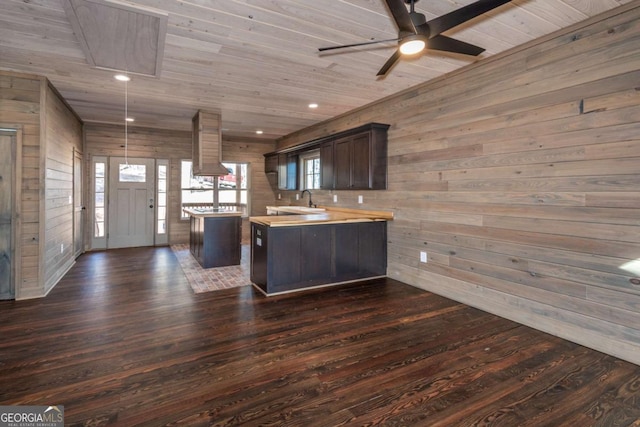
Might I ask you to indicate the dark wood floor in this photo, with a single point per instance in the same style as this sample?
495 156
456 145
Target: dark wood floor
123 340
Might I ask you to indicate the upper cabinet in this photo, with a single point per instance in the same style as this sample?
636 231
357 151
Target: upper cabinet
271 163
207 145
358 161
355 159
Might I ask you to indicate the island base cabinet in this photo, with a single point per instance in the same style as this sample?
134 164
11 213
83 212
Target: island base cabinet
298 257
215 241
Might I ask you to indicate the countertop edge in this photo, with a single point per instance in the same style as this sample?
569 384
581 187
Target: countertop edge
197 214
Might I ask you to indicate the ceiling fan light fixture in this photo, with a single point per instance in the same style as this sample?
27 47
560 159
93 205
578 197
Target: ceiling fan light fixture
412 44
122 77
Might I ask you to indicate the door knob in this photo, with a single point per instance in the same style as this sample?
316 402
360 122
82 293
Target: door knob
151 206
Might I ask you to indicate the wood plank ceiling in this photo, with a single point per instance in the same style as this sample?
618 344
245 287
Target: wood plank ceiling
256 61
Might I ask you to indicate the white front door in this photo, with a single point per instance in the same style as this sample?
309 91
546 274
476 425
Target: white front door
131 202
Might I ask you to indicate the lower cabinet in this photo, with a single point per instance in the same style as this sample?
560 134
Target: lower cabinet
298 257
216 241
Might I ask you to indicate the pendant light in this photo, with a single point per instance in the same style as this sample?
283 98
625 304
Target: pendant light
125 78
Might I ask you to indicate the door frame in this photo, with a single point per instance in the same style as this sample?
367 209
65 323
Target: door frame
78 205
101 243
16 217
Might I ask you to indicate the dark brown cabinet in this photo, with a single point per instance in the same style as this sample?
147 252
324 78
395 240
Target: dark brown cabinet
327 166
298 257
215 240
357 160
351 160
271 163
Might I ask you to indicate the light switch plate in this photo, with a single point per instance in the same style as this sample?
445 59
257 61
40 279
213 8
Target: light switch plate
423 256
360 199
335 198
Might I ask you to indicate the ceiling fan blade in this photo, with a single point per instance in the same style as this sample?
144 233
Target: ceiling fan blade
443 23
448 44
387 65
322 49
401 16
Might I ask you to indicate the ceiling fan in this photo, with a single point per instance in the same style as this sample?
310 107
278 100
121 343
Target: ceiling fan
415 33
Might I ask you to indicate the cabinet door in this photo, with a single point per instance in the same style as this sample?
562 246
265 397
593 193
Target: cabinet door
361 161
315 253
285 265
345 241
342 159
327 166
372 248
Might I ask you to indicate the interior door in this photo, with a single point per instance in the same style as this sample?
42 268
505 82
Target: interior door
131 202
78 206
7 160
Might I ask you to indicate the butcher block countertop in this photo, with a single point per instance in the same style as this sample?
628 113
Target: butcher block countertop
210 212
330 215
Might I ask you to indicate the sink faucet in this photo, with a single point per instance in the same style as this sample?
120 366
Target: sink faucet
311 205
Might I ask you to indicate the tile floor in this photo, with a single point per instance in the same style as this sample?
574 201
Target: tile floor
212 279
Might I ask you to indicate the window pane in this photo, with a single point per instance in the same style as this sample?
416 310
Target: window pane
197 196
133 173
228 181
100 185
162 186
100 170
99 231
162 172
162 213
99 200
162 227
243 175
100 214
162 199
243 197
185 174
227 196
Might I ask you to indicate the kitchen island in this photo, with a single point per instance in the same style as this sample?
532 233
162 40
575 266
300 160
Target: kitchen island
215 236
295 252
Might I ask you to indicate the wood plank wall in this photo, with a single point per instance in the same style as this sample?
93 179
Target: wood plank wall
50 133
63 136
107 140
519 176
20 107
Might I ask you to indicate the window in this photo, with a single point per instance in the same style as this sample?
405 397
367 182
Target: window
310 170
162 199
133 173
98 203
230 191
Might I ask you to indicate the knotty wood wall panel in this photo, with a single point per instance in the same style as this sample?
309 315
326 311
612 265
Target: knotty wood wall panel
20 107
107 140
62 137
519 177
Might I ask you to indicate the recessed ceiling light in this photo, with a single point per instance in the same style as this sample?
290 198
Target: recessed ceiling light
313 105
130 119
259 132
122 77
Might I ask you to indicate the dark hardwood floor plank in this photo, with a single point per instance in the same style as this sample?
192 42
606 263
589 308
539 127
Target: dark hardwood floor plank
122 340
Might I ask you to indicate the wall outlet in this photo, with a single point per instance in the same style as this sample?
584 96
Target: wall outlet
335 198
279 196
297 196
61 247
423 256
360 200
70 200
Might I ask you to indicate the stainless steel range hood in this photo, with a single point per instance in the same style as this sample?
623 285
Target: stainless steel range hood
207 145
